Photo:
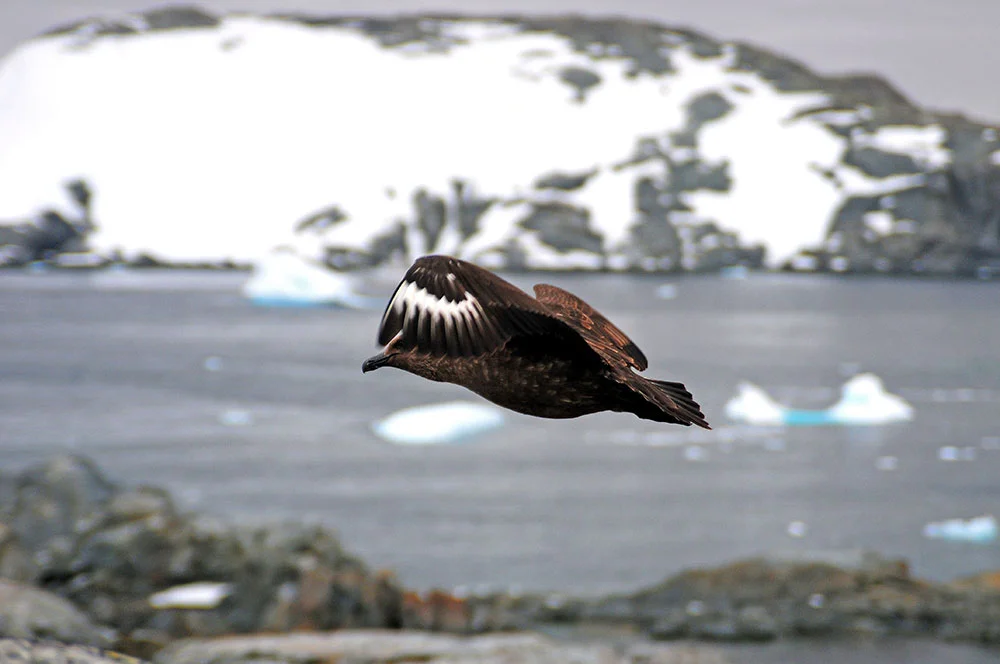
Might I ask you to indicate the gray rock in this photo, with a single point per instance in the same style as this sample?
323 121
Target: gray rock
374 647
107 549
563 227
580 79
53 498
33 652
30 613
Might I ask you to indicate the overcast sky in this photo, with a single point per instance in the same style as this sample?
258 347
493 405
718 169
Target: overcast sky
942 53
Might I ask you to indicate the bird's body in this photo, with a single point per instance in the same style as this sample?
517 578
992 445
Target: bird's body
549 356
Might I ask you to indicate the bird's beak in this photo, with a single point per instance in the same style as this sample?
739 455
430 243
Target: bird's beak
376 361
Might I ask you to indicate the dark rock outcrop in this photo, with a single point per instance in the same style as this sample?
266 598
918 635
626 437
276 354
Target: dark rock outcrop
762 600
100 564
50 233
107 549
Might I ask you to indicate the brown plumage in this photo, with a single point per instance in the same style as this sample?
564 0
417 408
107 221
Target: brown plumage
551 355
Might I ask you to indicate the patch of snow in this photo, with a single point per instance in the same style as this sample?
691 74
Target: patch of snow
546 258
855 182
926 143
880 222
450 422
840 263
778 198
203 595
804 263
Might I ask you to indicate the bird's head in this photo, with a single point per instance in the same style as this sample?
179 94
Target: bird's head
374 362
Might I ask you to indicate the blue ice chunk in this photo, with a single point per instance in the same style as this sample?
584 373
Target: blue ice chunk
439 424
285 279
863 401
976 529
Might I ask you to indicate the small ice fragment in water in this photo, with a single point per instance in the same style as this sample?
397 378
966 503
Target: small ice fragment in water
198 595
236 418
886 463
213 363
442 423
977 529
948 453
695 453
952 453
797 529
666 292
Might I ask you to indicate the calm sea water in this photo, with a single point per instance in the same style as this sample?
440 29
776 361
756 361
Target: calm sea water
262 414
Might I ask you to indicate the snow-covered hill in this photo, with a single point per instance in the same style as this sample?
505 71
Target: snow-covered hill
558 143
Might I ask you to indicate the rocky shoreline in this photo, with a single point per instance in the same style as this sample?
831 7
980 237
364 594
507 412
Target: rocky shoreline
95 564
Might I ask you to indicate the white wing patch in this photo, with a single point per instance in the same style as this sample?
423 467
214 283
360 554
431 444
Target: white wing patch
435 322
413 300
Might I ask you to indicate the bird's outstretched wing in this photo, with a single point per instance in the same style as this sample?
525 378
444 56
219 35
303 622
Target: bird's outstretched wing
600 334
447 306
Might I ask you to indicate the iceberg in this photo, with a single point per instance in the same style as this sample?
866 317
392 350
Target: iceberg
444 423
287 279
977 529
754 406
863 402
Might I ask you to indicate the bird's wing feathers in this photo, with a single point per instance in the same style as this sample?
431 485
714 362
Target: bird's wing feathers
446 306
600 334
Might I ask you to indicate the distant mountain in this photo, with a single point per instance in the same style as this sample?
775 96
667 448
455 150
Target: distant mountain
518 142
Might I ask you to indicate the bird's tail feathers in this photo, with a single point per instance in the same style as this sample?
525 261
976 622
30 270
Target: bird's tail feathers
674 402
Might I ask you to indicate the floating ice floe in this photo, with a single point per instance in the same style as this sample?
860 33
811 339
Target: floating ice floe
200 595
666 291
285 279
863 401
444 423
976 529
236 417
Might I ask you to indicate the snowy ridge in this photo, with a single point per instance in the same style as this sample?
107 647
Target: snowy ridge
502 142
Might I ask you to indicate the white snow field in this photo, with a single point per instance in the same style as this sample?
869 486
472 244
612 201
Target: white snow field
212 144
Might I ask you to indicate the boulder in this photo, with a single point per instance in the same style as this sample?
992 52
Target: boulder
30 613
